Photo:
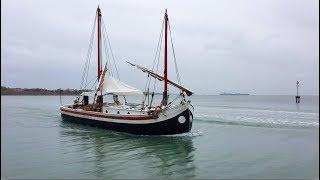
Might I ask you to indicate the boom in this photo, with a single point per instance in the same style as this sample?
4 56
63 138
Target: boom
161 78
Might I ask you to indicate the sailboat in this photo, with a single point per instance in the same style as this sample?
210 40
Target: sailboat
146 118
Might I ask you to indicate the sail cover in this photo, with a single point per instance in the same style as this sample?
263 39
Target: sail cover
111 85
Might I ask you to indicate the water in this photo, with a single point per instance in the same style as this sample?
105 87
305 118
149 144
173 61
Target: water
232 137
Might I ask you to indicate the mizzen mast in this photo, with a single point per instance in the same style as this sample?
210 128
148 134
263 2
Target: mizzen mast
165 74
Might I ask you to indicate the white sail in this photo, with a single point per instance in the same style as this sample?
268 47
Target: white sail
111 85
114 86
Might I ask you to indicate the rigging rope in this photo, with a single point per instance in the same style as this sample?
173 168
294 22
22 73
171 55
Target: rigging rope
155 80
108 65
107 46
96 79
112 55
88 57
158 57
153 66
86 69
174 56
105 35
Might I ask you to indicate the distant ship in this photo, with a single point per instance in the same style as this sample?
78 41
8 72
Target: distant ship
238 94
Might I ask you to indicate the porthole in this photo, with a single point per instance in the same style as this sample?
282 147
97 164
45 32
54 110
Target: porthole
106 111
182 119
118 112
128 113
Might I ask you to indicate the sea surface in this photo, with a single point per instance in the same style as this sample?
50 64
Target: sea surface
232 137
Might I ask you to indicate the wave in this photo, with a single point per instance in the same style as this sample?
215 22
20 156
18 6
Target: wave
257 117
192 133
265 109
260 123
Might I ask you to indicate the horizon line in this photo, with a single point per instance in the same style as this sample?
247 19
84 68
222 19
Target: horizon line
200 94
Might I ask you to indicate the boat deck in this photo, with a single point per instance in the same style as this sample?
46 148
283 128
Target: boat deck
113 108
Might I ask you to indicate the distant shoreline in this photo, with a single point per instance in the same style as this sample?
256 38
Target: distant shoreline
6 91
39 92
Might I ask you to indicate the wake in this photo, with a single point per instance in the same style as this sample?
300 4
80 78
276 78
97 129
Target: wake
260 123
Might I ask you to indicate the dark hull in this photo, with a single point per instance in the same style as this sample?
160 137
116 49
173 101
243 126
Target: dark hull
166 127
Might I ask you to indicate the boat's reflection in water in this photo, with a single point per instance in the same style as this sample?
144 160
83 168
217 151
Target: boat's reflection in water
118 155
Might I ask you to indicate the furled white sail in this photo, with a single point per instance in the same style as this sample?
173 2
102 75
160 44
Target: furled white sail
111 85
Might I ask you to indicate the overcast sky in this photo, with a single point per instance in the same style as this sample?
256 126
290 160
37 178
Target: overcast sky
248 46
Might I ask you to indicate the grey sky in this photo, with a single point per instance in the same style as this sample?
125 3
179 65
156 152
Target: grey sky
248 46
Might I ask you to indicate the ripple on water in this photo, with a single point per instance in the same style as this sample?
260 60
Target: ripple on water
259 118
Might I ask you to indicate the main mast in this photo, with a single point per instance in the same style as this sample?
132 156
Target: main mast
99 100
165 92
99 42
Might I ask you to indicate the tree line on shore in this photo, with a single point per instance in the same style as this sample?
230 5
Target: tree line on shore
46 92
39 91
